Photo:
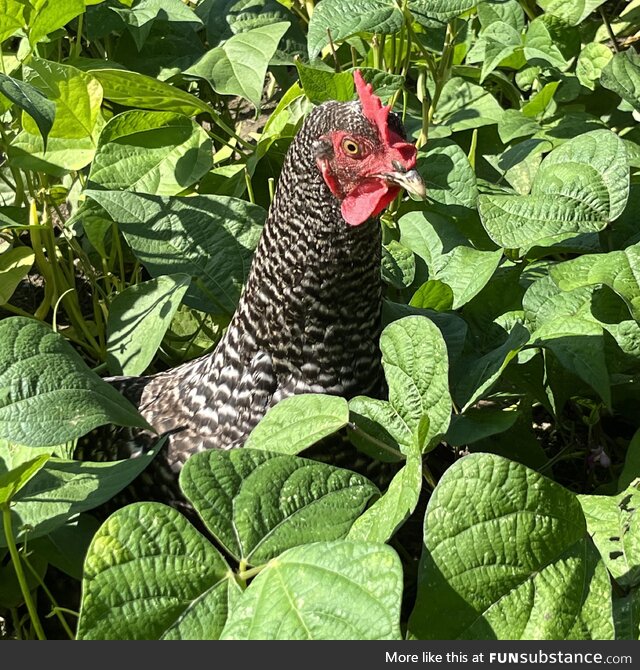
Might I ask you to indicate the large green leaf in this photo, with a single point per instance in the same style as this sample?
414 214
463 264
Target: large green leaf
448 255
297 422
161 153
414 357
464 105
622 75
343 18
138 319
620 270
239 66
77 96
614 525
447 173
579 188
507 556
150 575
210 238
46 16
323 591
62 489
132 89
11 17
31 100
257 504
48 395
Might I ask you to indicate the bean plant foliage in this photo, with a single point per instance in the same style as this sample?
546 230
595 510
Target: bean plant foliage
140 142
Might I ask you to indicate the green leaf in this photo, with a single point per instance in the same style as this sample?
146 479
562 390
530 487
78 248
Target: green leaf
441 10
295 596
614 524
573 12
482 373
540 47
321 85
578 345
239 66
477 424
386 515
11 17
46 16
501 41
14 267
513 125
161 153
592 60
343 19
398 265
578 189
540 102
414 358
464 105
63 489
622 76
138 319
141 17
11 482
257 504
132 89
616 269
433 294
507 557
150 575
210 238
28 98
448 255
447 173
298 422
77 97
52 396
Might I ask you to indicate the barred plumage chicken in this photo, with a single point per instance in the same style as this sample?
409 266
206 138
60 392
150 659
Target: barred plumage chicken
309 317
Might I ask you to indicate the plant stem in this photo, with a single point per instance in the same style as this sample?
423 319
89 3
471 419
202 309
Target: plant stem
17 565
77 47
612 35
55 609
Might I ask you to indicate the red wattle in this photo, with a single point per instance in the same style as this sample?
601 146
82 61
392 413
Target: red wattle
367 200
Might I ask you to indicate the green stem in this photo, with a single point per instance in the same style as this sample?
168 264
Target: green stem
245 575
17 565
247 180
55 609
472 148
612 35
77 47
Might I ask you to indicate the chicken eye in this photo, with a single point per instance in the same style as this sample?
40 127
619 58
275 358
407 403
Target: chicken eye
350 147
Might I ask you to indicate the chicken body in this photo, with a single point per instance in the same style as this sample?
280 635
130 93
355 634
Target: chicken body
308 320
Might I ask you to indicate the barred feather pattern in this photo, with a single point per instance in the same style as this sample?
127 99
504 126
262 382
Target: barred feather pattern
308 321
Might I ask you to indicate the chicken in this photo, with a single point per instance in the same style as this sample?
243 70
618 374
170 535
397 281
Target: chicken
309 317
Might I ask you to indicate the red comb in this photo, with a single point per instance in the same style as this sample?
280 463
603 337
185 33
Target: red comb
372 106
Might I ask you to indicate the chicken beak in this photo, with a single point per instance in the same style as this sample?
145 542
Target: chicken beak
410 181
